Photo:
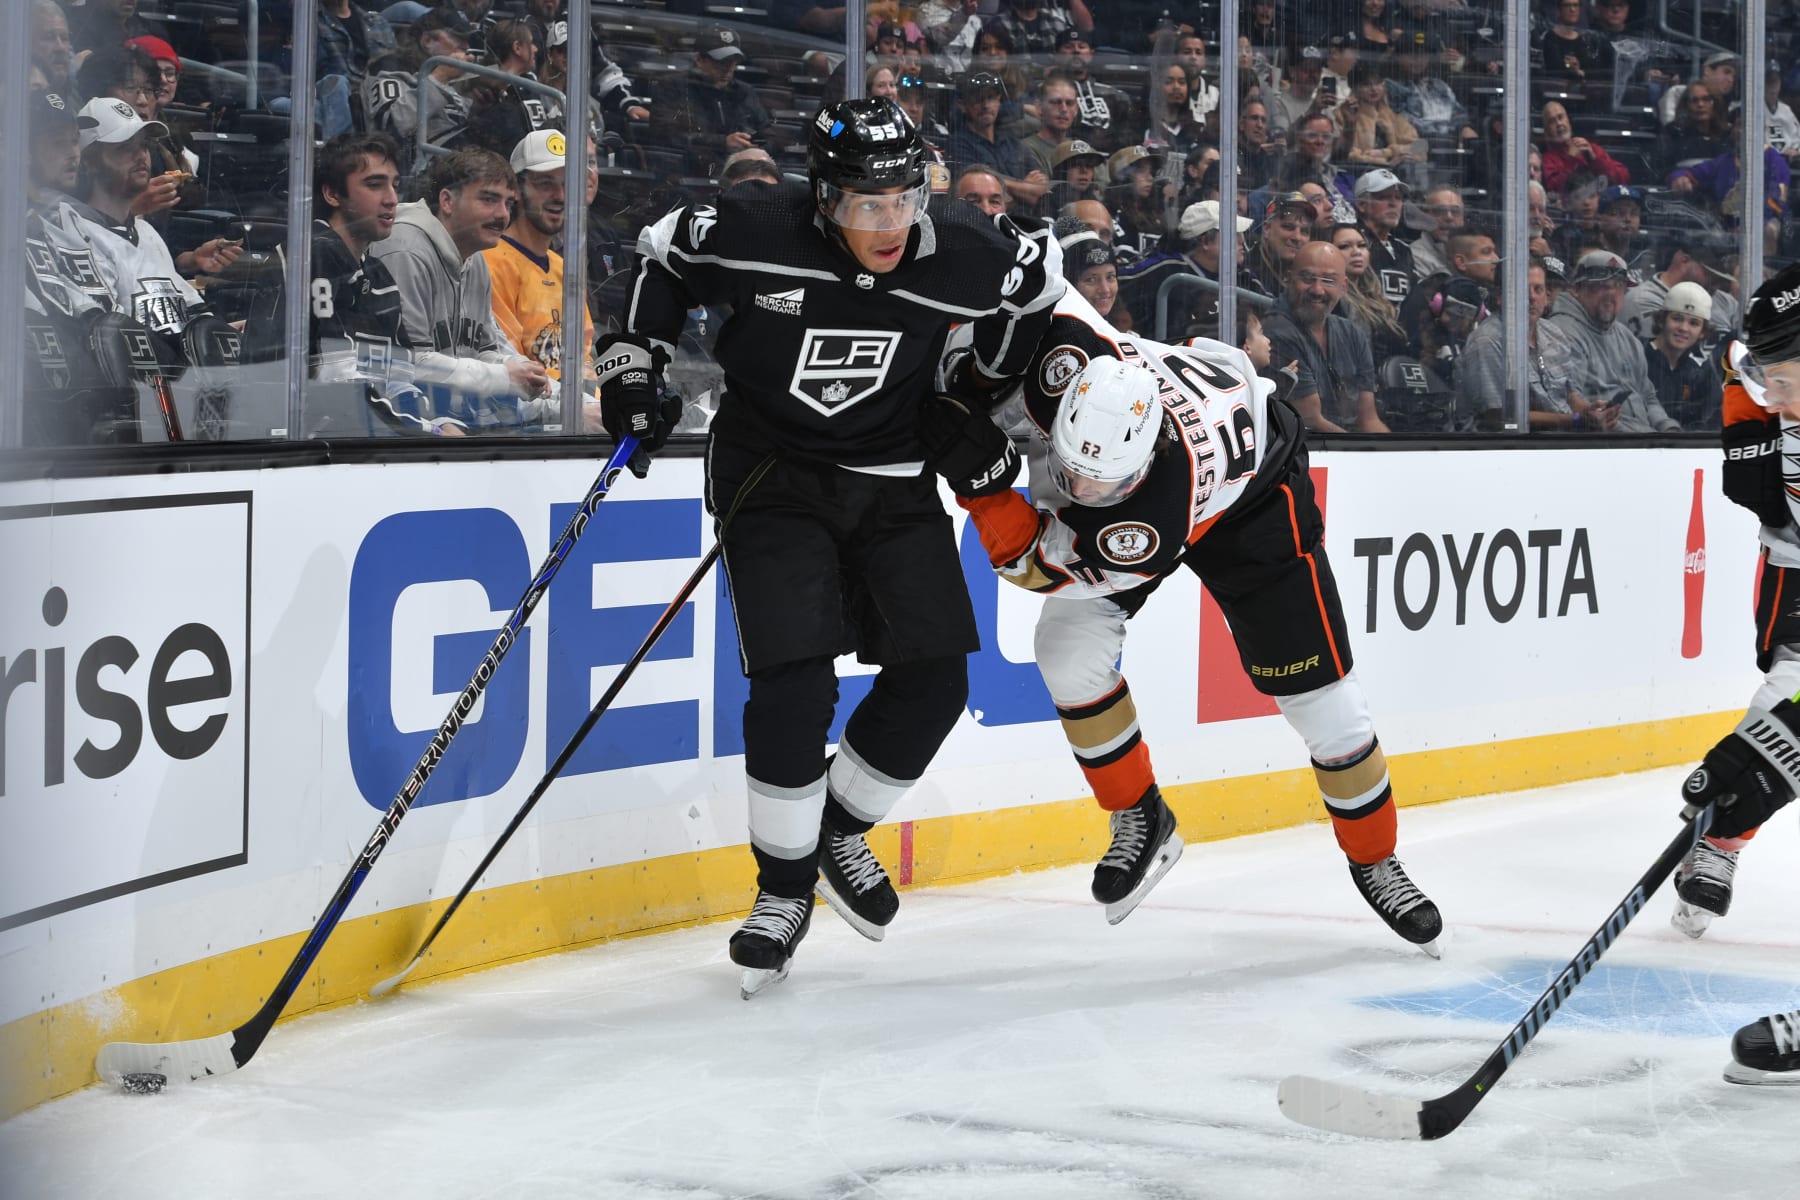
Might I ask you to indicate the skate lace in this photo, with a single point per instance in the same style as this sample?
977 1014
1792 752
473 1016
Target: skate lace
1130 829
1714 865
1786 1027
776 916
1390 889
858 862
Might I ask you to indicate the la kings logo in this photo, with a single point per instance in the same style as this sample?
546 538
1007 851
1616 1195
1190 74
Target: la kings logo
838 368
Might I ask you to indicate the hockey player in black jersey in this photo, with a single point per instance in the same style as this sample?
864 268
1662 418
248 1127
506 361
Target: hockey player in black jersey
835 540
1146 458
358 350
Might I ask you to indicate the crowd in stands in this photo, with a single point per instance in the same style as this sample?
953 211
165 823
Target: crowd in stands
1370 153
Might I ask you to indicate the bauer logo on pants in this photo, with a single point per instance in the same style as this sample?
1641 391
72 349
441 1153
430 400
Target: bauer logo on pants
841 367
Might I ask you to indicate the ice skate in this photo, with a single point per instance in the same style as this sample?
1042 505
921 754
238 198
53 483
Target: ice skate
1766 1052
764 944
853 881
1396 900
1144 847
1703 887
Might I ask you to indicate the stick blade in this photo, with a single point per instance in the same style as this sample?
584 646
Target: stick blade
1340 1108
190 1060
393 981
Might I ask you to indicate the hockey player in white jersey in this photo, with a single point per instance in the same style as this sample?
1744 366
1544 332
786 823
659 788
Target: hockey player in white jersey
1146 457
1755 769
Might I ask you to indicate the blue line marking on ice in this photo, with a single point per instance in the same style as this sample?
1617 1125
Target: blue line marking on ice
1626 998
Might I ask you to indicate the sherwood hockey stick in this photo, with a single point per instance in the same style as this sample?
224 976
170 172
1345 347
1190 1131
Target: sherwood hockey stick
562 760
1342 1108
147 1065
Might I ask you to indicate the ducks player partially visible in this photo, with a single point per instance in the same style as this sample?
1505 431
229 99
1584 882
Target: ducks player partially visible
1755 769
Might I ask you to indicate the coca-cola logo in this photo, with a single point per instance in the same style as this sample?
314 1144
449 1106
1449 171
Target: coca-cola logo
1696 561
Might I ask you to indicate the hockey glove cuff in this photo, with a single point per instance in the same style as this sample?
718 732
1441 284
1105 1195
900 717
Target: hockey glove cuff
630 370
1751 773
975 456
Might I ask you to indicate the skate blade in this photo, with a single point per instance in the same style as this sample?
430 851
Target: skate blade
1736 1072
868 929
755 981
1166 856
1690 920
1430 948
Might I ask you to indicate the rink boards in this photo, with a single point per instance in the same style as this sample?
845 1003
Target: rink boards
214 683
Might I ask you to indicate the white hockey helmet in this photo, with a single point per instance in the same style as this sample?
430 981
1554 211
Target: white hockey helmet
1105 433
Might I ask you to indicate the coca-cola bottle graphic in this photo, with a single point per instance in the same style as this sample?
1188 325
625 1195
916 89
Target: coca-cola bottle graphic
1693 578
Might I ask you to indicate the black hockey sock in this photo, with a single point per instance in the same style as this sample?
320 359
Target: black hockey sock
908 713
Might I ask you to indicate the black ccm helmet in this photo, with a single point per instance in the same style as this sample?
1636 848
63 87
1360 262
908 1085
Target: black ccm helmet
862 147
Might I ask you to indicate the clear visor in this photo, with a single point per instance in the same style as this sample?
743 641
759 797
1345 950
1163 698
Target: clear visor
1089 492
899 209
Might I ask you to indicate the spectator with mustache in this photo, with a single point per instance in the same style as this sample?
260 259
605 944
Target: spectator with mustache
435 257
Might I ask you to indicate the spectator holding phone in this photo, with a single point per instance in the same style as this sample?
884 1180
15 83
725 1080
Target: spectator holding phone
1608 363
711 112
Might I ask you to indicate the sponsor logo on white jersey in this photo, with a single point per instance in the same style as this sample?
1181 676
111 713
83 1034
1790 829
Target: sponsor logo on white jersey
786 304
839 368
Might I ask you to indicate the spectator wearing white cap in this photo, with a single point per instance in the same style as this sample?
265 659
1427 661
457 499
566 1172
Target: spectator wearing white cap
1193 246
1690 257
526 273
1683 371
1200 231
1608 363
145 280
1380 201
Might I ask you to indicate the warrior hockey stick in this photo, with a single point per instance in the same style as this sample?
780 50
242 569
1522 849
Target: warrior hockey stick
1341 1108
224 1052
562 760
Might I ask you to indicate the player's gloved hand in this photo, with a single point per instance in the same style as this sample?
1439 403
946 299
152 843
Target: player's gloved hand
630 370
1752 772
974 455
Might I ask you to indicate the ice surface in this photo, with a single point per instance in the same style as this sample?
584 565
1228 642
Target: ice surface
1005 1042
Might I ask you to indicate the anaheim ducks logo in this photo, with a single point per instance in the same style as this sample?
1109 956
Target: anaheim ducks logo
1128 542
1060 367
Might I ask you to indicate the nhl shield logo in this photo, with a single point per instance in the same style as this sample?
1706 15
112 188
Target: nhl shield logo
842 367
1128 542
865 281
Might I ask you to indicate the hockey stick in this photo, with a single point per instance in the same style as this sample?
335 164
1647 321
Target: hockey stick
1342 1108
562 760
151 1063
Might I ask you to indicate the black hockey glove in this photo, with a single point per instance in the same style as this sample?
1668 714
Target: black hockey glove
974 455
631 385
1752 471
1751 773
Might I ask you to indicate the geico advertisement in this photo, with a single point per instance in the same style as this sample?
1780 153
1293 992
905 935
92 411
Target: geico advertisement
1535 590
124 696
